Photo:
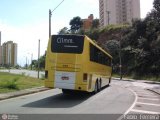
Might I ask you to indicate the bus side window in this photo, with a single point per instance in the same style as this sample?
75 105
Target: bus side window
91 53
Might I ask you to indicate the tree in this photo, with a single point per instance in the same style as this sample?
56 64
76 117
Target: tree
95 23
156 5
64 31
41 62
76 23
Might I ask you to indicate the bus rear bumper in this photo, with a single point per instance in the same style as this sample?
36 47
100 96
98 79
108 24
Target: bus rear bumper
77 87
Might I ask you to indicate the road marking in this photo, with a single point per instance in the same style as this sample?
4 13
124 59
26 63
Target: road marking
148 96
150 99
148 104
134 103
143 111
145 93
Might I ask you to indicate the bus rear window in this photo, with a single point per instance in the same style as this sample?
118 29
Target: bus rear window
67 44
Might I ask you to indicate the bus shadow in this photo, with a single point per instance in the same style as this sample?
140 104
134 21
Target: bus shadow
59 101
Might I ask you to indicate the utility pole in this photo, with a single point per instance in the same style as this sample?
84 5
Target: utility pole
120 60
31 60
50 15
108 15
38 57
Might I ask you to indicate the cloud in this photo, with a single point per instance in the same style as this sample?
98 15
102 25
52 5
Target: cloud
27 37
88 2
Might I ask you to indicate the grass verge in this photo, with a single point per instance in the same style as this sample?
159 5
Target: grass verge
12 82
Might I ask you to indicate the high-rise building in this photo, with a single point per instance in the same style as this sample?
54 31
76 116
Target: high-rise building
118 11
9 53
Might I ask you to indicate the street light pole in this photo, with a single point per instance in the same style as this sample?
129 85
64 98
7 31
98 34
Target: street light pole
50 15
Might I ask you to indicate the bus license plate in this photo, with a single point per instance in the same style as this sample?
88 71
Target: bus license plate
64 78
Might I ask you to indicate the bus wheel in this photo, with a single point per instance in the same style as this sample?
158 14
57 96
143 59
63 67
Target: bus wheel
99 85
96 87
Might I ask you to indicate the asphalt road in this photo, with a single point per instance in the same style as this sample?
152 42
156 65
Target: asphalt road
113 99
121 97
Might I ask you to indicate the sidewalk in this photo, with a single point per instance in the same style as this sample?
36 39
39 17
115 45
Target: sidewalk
154 89
4 96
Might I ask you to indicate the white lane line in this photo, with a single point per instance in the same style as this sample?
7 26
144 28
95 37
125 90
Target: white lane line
148 96
148 104
143 111
134 103
145 94
150 99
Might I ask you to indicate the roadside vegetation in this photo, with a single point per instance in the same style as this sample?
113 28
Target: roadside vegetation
11 82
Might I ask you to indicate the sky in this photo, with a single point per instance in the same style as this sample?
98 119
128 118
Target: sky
26 21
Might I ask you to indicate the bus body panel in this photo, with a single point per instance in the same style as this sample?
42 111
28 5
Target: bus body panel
67 71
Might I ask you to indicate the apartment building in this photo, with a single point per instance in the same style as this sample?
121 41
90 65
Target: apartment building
9 53
118 11
87 23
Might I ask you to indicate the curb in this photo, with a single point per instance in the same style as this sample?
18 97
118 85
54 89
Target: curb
134 80
154 91
23 92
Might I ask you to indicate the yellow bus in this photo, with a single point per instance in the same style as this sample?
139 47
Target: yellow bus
75 62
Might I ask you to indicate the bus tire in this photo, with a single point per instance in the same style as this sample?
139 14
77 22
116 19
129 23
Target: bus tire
96 87
99 85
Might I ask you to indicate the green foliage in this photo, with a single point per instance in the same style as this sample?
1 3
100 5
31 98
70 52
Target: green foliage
95 24
41 62
76 23
93 34
12 82
64 31
156 5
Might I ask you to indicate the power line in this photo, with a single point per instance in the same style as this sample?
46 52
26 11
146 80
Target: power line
57 6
